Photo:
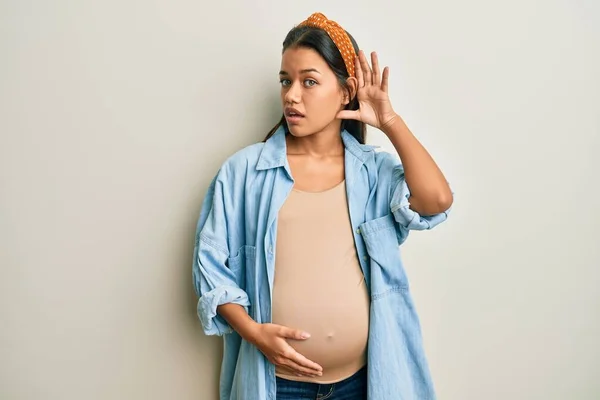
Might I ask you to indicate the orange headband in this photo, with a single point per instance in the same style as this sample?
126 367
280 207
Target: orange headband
338 35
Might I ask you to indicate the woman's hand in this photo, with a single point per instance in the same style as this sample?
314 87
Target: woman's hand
375 108
270 339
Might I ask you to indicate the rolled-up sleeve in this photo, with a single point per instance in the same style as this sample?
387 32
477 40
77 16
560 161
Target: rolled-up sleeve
406 218
214 282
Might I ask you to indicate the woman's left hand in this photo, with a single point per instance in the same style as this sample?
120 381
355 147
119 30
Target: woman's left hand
375 108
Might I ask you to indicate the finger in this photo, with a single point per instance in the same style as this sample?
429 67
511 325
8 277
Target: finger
290 333
299 369
305 362
385 79
376 73
289 371
359 73
348 114
366 69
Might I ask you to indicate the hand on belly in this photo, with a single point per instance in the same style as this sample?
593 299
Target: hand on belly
339 332
332 350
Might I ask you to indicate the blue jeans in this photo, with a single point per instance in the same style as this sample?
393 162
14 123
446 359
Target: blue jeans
352 388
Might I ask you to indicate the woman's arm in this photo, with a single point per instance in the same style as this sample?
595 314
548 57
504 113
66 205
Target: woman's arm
237 317
429 191
271 340
223 305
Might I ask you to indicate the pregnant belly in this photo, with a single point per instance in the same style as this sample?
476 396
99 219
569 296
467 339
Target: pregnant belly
339 329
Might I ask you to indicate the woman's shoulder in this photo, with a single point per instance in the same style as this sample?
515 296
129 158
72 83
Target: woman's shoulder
242 160
386 160
249 153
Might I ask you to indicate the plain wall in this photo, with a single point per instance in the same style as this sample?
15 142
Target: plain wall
115 115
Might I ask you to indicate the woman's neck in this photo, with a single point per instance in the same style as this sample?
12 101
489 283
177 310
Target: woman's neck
327 142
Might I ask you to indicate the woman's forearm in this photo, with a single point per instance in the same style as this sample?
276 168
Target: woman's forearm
237 317
430 192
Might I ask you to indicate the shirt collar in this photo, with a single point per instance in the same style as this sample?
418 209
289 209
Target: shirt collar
274 151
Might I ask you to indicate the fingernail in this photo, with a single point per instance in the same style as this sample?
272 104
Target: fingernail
305 335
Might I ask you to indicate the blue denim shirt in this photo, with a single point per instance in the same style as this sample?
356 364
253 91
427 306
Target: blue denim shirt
234 262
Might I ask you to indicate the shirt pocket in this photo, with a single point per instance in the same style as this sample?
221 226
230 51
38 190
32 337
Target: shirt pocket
381 241
241 263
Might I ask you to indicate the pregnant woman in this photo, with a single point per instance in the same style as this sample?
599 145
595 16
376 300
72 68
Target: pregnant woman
296 259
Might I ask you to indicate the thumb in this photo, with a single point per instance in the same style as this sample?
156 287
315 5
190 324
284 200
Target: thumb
295 334
348 114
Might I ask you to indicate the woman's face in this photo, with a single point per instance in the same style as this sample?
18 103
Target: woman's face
310 87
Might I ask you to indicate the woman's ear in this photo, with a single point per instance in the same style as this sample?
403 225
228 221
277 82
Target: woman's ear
350 93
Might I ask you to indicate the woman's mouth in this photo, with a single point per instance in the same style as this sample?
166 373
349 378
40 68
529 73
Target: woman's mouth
293 116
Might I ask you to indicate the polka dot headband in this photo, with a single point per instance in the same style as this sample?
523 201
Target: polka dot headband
338 35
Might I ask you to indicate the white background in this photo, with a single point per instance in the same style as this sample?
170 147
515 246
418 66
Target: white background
114 116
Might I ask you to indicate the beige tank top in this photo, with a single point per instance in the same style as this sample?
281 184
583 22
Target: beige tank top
319 286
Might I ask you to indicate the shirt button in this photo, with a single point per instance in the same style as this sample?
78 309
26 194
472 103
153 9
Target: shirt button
365 258
358 231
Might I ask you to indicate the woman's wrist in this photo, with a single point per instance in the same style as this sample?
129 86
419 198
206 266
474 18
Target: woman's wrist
249 330
237 317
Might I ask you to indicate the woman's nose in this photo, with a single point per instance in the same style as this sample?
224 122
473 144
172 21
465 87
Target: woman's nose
293 94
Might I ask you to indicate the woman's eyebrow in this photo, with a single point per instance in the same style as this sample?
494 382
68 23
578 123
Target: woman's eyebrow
282 72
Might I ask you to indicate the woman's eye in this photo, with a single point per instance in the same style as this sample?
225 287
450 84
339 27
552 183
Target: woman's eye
307 82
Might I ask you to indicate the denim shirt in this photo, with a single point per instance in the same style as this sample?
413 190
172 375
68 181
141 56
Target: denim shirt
234 262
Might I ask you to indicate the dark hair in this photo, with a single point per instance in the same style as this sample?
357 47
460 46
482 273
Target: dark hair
318 40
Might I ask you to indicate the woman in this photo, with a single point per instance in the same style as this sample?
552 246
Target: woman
296 257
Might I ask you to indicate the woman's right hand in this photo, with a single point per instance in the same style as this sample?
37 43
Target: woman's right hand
270 339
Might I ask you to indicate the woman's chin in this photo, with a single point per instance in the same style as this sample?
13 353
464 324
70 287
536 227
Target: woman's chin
297 131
